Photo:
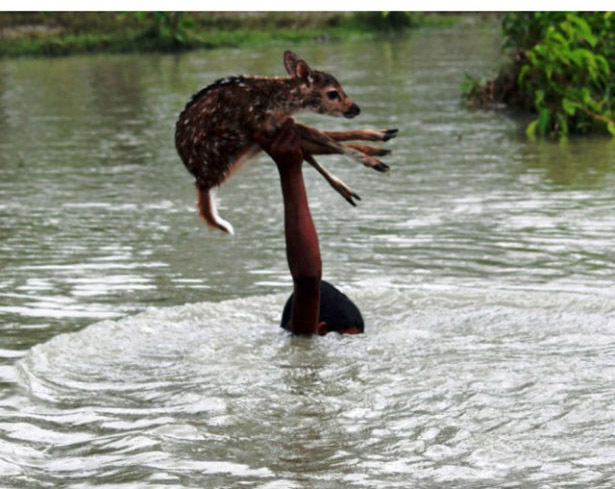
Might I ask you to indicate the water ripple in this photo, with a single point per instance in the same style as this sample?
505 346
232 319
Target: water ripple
478 396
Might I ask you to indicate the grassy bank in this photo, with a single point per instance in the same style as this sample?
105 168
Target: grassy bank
64 33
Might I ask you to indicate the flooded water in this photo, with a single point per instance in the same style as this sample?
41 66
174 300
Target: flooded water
138 349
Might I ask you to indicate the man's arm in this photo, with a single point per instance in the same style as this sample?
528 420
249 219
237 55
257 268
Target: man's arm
302 248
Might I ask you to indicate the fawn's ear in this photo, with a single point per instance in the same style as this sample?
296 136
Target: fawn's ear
290 63
297 68
304 72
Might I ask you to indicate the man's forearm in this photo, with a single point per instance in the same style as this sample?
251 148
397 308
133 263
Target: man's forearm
302 251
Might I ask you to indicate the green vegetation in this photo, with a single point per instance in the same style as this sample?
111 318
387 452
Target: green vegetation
62 33
561 68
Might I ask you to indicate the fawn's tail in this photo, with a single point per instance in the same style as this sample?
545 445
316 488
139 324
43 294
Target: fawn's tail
207 210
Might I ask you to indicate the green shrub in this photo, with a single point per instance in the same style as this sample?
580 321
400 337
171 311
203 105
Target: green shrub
562 69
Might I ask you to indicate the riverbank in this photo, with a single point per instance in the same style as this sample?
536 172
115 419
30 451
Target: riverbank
65 33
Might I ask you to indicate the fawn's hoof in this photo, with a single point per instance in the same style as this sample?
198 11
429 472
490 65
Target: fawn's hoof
390 134
350 197
382 152
381 167
348 194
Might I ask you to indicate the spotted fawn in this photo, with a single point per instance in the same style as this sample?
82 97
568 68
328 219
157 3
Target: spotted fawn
218 129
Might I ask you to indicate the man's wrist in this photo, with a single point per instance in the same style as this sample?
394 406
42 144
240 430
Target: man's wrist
287 162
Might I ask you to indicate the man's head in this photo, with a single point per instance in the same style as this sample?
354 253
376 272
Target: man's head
337 312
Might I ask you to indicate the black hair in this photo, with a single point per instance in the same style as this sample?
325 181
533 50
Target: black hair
336 309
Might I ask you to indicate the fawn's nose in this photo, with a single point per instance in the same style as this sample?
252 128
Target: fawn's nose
353 111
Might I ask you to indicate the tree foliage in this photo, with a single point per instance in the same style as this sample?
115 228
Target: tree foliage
166 27
387 20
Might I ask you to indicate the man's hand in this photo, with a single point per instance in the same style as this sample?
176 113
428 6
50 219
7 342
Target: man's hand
285 147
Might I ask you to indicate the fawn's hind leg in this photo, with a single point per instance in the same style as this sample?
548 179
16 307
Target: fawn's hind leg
335 182
329 146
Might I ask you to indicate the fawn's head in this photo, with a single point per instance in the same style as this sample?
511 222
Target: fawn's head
322 92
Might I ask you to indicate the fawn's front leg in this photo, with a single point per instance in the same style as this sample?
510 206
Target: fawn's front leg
369 150
310 148
335 182
329 145
362 135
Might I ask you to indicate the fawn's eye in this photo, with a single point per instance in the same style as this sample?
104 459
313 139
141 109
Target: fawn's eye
333 94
